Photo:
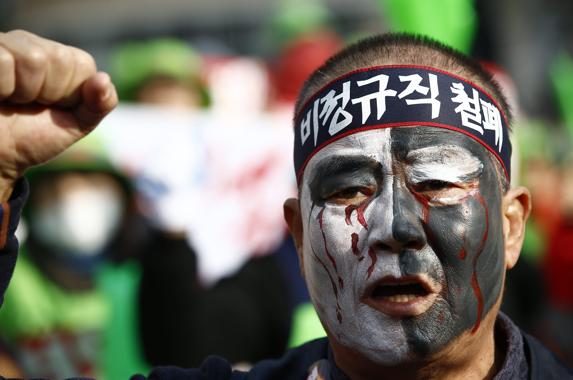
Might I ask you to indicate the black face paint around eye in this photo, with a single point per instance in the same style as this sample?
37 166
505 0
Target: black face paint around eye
343 173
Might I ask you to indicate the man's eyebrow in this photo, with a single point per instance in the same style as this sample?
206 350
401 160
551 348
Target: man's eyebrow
446 162
334 171
442 153
338 165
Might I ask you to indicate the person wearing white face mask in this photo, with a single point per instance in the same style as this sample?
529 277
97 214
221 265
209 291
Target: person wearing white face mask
56 312
75 215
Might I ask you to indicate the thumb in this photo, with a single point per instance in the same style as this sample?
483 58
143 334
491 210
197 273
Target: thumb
99 98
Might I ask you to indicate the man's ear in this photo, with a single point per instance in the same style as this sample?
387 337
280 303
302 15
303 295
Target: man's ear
291 210
516 206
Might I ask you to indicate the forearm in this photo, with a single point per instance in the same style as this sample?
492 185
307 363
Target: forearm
6 188
10 210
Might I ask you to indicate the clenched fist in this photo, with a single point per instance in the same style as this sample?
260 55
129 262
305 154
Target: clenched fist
51 95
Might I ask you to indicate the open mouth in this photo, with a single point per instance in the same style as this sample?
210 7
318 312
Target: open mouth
399 292
401 297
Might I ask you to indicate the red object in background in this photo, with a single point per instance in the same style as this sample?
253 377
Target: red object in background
298 60
559 265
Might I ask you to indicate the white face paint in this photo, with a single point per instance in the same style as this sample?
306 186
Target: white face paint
449 163
394 222
335 275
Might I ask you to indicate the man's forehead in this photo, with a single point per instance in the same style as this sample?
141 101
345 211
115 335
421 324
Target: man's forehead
411 145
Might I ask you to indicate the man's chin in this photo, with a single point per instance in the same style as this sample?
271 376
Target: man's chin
430 332
385 355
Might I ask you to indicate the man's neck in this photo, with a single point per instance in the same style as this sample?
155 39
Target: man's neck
470 356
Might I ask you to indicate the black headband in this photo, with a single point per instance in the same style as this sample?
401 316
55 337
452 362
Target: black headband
399 96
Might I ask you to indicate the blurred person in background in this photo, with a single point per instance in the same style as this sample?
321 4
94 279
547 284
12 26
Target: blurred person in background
55 313
231 315
303 36
161 72
558 258
558 270
525 297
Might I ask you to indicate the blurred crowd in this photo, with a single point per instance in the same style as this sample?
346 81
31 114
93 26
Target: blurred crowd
159 238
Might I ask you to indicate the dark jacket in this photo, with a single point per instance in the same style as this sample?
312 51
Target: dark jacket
541 365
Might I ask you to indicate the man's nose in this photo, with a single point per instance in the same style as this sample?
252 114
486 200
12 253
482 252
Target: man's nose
396 222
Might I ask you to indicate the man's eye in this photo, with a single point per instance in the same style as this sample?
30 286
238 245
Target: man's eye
442 192
433 185
350 195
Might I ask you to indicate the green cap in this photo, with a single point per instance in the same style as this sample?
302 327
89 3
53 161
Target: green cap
295 18
133 63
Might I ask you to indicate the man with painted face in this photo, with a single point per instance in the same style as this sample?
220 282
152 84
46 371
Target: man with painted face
405 223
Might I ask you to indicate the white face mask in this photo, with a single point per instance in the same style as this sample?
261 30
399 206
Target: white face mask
82 221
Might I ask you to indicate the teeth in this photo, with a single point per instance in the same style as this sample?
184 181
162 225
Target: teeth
401 298
401 283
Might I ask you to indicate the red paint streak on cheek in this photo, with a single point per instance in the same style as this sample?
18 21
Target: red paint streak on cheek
360 210
479 298
330 257
374 258
425 207
484 238
425 203
463 253
474 281
334 288
355 249
348 213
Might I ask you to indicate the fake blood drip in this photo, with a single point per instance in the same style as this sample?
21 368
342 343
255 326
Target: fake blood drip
354 243
360 209
374 258
332 283
355 250
463 253
425 215
474 281
334 288
354 238
425 208
330 257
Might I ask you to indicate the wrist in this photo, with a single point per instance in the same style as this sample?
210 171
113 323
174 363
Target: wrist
6 188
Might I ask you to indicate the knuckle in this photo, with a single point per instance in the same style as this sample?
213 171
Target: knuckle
60 56
19 33
22 36
6 61
85 62
35 58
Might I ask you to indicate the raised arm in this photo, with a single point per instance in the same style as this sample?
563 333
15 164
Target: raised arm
51 95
